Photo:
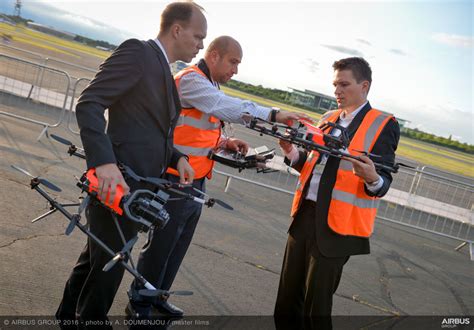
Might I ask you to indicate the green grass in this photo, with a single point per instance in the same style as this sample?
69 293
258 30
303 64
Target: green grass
440 162
32 42
46 41
439 150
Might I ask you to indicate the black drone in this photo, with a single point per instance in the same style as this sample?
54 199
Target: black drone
316 139
142 206
236 159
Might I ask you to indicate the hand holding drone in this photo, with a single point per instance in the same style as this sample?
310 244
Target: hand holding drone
123 256
311 137
142 206
127 172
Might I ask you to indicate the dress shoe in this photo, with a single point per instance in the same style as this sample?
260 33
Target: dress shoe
166 308
138 311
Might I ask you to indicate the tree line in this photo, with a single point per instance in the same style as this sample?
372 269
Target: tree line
94 43
272 94
438 140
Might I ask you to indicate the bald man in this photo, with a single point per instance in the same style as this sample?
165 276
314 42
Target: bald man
204 108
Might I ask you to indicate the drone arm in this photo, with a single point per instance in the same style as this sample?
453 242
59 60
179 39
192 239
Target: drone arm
99 242
43 215
187 196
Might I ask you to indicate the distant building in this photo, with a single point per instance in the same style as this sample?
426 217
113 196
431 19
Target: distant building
322 103
52 31
177 66
102 48
313 100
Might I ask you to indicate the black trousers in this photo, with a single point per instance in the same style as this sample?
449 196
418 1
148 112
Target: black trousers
308 278
164 251
89 292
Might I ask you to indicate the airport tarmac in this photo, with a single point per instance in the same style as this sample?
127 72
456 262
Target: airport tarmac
235 258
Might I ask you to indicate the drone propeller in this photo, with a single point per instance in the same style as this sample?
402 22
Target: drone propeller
210 201
61 140
155 293
83 205
72 224
121 255
73 150
221 203
44 182
77 217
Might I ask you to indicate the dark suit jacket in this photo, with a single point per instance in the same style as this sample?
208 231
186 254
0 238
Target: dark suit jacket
330 243
136 86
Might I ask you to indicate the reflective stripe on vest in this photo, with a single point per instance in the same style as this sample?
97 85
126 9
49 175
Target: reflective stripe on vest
191 151
202 123
351 211
308 166
196 134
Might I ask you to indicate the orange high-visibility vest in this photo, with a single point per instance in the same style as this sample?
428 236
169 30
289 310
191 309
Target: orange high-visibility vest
351 211
308 168
196 134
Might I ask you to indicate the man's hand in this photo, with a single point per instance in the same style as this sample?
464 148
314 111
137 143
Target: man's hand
186 172
109 177
285 146
237 145
287 118
364 168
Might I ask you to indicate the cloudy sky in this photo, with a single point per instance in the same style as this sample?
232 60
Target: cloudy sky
421 52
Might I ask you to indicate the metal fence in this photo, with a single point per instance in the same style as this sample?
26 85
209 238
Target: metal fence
33 92
76 90
74 70
417 199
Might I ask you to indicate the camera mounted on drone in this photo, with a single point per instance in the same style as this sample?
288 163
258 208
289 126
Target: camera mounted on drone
238 160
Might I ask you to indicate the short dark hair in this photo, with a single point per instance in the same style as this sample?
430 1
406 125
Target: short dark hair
360 68
177 12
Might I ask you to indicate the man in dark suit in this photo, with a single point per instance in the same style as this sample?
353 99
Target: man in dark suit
335 202
136 86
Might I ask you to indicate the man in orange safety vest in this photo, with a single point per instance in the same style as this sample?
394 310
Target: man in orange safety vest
198 131
335 202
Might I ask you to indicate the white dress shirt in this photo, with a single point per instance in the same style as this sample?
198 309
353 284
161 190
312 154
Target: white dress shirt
293 156
196 91
162 49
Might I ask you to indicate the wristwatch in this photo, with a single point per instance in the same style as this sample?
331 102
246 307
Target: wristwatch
273 114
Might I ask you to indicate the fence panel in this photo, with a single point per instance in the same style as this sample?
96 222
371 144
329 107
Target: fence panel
32 92
419 200
84 68
77 89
